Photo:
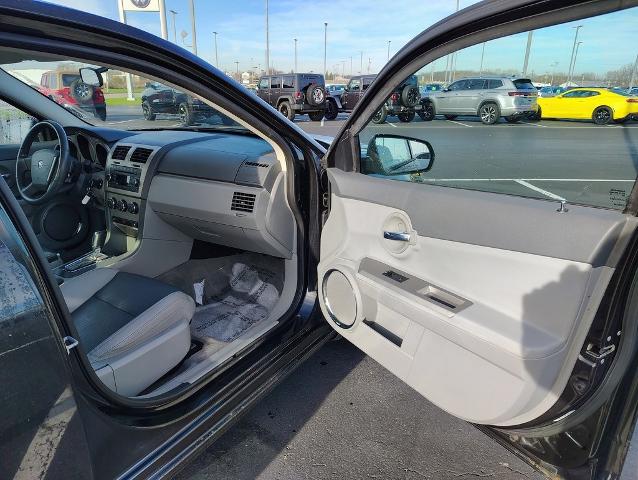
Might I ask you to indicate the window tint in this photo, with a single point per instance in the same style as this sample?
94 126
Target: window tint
460 85
493 142
275 82
524 84
264 83
475 84
14 124
354 85
289 81
69 78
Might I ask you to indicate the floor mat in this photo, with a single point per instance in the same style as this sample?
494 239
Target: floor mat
233 293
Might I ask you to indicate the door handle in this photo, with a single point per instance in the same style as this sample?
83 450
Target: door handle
398 236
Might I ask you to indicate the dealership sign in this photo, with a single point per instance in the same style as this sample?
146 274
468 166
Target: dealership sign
143 5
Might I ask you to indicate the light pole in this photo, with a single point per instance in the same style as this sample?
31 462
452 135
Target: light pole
267 65
237 69
361 67
296 56
351 65
632 81
452 58
173 13
193 30
216 57
553 65
325 47
389 41
482 56
571 61
574 63
527 50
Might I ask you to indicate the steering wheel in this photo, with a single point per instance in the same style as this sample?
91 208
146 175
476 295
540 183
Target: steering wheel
41 175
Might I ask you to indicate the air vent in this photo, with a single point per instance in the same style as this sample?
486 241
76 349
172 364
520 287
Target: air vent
119 153
140 155
243 202
255 164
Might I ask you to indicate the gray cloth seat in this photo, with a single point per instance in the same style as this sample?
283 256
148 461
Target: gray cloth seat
134 329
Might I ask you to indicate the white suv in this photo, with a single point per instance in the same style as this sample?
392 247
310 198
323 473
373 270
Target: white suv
490 98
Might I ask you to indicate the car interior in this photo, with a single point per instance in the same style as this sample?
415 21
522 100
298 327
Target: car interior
174 248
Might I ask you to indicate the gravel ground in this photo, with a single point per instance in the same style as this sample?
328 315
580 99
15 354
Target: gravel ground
341 415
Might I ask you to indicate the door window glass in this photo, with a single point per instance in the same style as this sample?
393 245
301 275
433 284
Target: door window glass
509 140
475 84
354 85
288 81
264 83
460 85
275 82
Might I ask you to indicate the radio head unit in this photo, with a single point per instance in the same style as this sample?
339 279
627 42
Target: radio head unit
124 178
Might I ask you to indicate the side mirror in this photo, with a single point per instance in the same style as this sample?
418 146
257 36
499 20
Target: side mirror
391 155
91 77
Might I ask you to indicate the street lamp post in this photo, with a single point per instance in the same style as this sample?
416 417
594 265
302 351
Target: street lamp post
296 70
389 41
553 65
632 81
216 57
237 70
575 57
193 29
173 13
482 56
325 47
361 67
267 65
527 50
571 61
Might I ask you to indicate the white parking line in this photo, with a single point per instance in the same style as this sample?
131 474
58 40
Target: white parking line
540 190
392 125
460 123
535 125
526 180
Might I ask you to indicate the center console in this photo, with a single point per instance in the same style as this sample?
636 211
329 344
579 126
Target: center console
126 169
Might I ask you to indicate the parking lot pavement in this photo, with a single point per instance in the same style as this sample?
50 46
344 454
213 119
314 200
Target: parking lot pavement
578 161
342 416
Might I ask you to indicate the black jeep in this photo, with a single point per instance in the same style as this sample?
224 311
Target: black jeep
403 102
295 93
161 99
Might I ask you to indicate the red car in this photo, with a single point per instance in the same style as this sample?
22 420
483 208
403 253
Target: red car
67 89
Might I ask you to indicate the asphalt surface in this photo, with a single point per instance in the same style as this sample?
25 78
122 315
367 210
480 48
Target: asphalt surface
341 415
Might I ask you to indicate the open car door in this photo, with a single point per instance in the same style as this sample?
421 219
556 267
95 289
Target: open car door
491 267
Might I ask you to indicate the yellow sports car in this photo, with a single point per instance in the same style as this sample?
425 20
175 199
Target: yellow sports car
597 104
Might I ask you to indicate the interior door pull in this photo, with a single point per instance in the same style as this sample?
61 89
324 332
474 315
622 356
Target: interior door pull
398 236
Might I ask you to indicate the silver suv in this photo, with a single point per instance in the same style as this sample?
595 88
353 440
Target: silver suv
490 98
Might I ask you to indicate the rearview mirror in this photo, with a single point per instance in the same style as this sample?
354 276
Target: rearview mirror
91 77
391 155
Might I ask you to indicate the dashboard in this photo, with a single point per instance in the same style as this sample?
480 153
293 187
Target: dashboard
222 188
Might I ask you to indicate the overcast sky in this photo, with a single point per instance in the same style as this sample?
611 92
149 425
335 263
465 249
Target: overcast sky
365 25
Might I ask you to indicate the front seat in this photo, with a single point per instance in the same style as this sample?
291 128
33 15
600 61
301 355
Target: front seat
134 329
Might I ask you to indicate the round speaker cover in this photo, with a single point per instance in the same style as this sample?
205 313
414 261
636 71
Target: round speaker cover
339 297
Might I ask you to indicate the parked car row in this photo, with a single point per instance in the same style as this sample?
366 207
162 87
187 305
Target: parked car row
488 97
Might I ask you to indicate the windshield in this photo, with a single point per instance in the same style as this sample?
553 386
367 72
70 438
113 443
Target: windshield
125 100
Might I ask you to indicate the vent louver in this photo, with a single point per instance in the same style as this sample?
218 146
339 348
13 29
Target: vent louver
120 152
243 202
255 164
140 155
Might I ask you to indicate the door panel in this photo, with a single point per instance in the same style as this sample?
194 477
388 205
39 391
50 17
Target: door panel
485 309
